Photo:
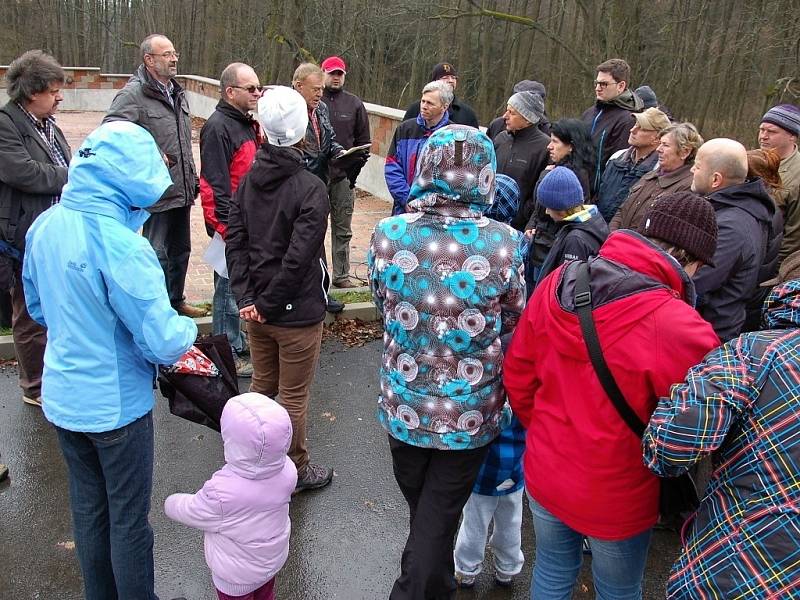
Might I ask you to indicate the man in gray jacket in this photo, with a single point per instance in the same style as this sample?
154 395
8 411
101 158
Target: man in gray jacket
34 156
153 99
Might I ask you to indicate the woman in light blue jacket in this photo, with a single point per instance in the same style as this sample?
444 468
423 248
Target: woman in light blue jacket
98 288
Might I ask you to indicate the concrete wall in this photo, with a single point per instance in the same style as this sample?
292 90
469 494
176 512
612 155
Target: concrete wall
87 89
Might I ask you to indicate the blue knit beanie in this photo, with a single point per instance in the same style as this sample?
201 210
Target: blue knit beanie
560 190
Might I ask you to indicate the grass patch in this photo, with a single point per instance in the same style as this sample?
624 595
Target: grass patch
5 331
352 297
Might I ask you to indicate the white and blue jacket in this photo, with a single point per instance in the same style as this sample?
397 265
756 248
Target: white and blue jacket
98 288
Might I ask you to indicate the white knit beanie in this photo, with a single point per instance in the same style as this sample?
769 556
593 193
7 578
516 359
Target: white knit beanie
283 114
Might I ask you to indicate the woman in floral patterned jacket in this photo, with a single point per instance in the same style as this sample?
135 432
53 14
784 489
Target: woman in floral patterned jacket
449 283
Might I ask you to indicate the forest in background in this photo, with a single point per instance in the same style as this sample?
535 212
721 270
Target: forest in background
718 63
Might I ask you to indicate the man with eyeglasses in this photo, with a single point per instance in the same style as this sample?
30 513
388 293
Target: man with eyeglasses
611 118
228 144
34 156
155 100
351 125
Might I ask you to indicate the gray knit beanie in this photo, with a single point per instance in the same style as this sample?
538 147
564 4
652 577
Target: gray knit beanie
529 105
786 116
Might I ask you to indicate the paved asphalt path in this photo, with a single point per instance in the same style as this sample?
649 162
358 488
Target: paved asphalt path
346 539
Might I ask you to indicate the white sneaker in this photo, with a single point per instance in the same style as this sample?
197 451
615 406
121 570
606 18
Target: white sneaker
465 581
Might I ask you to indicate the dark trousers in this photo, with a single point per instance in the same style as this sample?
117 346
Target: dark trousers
110 481
436 485
30 338
170 235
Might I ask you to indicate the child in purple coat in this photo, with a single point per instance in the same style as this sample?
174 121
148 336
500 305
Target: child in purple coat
244 507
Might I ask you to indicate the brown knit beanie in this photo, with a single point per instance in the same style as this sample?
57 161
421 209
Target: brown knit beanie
686 220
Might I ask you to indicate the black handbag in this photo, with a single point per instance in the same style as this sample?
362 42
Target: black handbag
678 495
198 398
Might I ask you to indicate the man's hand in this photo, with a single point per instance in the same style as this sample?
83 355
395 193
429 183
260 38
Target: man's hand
250 313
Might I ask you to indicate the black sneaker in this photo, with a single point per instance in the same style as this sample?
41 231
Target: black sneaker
312 477
334 306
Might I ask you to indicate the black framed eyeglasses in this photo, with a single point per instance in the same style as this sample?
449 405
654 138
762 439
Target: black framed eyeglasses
603 84
250 89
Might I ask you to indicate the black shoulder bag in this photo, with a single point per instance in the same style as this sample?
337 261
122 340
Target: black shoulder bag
678 494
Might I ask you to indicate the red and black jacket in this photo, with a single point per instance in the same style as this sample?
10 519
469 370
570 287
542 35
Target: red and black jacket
228 144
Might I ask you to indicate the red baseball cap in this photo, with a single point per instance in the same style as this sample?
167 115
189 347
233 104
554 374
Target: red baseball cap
333 63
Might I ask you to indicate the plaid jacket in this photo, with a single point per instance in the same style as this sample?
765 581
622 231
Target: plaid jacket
501 471
743 404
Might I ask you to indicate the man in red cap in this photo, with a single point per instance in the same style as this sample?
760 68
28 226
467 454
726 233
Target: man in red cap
351 125
460 113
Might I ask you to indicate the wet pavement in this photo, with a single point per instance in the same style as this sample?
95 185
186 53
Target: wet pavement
346 539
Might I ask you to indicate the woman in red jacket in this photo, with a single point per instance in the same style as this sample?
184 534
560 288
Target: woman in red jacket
583 466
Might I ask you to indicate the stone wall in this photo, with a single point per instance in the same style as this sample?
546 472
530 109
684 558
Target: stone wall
87 89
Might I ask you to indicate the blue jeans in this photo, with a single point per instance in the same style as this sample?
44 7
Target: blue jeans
617 566
110 481
225 315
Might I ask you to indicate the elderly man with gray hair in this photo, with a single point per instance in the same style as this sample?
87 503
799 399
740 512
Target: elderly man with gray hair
410 135
34 156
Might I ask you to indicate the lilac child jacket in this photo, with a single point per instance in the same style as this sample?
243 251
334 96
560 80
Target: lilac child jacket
244 508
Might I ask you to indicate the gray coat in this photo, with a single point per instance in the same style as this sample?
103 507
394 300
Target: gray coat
143 103
29 179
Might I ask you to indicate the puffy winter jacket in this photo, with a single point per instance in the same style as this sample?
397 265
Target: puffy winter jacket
100 290
739 406
275 241
244 508
582 461
143 103
448 283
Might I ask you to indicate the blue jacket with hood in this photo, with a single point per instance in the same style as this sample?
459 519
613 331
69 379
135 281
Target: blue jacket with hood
98 288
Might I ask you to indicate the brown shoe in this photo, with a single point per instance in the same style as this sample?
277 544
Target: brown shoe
346 283
33 400
187 310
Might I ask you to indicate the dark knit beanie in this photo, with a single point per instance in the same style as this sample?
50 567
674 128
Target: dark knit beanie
786 116
560 189
443 69
685 220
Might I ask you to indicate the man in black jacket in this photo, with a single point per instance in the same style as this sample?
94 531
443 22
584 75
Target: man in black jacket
744 212
498 125
351 125
34 156
522 149
611 118
228 144
153 99
460 113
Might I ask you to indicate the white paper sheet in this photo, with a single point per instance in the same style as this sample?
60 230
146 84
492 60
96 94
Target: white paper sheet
215 255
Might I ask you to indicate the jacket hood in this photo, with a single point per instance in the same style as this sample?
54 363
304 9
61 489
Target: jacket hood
627 100
590 221
275 164
117 170
456 166
782 306
627 263
750 196
256 432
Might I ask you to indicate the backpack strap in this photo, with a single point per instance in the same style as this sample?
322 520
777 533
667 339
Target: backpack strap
583 308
